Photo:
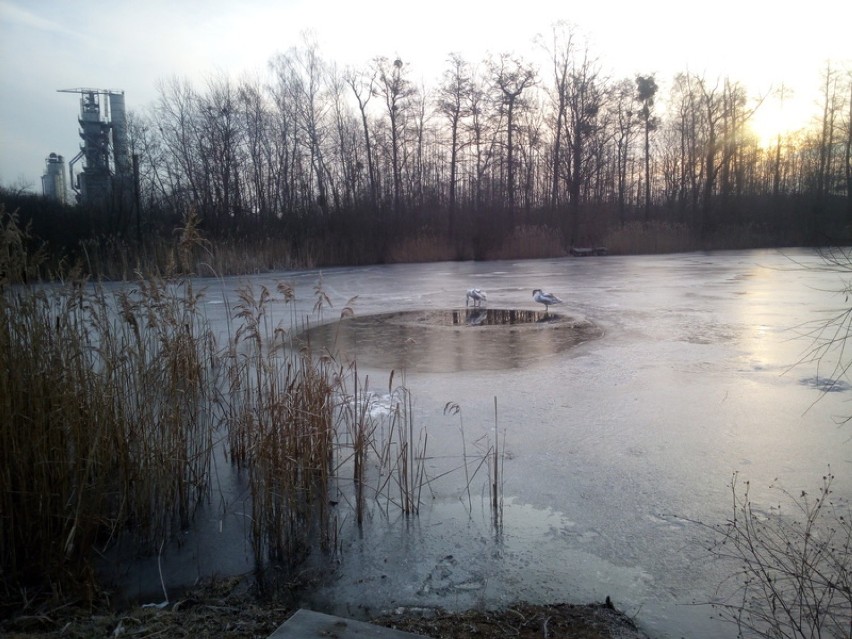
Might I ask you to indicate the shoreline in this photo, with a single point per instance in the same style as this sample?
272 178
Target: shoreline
224 607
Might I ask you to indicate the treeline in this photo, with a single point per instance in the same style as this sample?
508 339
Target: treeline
500 159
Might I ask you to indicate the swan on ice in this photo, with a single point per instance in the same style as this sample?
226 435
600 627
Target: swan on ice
477 295
545 298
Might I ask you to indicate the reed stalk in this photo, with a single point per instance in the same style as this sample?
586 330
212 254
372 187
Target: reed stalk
497 483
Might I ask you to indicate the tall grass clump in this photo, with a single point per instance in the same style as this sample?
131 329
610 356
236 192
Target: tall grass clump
281 431
302 425
103 427
20 260
379 447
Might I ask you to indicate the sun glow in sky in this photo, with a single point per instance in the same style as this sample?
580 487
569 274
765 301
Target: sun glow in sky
54 44
781 114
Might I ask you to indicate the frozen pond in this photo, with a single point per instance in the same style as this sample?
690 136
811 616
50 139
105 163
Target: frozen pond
614 442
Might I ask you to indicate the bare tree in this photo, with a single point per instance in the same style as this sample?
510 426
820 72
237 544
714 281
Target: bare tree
712 110
827 132
482 137
847 167
285 141
417 175
453 96
347 136
511 77
363 85
219 146
646 89
586 97
155 192
396 91
307 72
561 52
783 93
688 126
254 119
177 122
625 122
531 163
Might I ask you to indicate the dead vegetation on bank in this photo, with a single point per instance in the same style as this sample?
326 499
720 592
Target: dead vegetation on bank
113 402
226 608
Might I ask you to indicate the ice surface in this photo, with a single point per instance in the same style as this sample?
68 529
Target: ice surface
615 447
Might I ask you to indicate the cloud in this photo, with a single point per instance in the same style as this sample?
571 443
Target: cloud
18 18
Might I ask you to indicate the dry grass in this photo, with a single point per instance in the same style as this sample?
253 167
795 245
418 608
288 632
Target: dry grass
280 423
113 402
224 609
187 253
421 248
529 242
637 238
104 425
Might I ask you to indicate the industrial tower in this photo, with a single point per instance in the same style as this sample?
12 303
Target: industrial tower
107 175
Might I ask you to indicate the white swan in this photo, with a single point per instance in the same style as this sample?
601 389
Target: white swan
477 295
545 298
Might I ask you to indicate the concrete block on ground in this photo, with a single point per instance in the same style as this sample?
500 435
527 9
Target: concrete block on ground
306 624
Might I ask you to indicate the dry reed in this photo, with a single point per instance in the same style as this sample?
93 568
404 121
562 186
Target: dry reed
280 423
637 238
104 427
529 242
114 400
424 247
492 457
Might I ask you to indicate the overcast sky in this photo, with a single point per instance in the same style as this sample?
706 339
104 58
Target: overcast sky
47 45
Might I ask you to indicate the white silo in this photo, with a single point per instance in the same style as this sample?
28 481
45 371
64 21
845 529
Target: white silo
53 183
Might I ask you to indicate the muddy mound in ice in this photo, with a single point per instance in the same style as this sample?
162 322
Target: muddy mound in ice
449 340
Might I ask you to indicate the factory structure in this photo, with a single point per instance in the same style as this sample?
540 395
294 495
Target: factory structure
105 171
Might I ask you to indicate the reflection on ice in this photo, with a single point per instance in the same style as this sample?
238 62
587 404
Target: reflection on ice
492 317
